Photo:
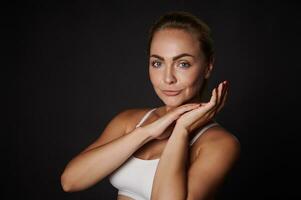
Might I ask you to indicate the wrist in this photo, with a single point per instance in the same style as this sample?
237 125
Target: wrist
181 130
146 134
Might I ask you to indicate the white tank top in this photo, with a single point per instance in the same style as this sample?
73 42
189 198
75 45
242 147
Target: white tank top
134 178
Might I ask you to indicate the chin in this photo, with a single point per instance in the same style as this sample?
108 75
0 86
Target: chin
176 102
173 102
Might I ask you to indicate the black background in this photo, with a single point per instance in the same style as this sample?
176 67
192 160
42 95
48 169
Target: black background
73 65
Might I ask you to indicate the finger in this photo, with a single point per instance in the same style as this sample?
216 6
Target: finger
203 104
221 88
189 108
211 106
205 118
184 108
214 99
188 105
217 99
221 97
203 107
226 86
224 100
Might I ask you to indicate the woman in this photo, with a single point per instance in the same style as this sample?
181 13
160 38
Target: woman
176 151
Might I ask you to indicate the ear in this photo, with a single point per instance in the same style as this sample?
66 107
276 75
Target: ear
209 68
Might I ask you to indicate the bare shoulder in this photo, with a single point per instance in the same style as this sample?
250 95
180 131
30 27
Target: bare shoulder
117 127
134 115
221 141
218 153
128 118
219 134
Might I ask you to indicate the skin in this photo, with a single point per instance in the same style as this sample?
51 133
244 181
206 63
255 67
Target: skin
214 159
211 156
186 73
217 149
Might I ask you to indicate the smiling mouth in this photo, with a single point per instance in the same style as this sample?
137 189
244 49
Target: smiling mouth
171 93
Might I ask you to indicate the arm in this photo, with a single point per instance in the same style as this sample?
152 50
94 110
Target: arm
216 157
170 178
100 159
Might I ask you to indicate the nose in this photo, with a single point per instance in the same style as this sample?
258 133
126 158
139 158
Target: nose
169 77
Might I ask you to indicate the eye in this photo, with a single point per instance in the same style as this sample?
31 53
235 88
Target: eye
154 64
185 64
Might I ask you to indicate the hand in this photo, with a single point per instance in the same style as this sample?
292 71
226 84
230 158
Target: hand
203 114
157 128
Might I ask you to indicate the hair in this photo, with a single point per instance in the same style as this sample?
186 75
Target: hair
188 22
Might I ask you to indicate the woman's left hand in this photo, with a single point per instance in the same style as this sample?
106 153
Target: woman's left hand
206 111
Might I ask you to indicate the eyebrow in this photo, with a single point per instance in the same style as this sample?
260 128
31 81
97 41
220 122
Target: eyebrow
174 58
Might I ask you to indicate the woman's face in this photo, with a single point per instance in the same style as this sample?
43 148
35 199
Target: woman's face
176 63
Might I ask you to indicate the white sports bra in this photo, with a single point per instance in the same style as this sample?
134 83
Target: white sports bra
134 178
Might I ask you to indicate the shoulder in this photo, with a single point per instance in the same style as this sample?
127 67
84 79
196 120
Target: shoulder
131 116
118 126
218 134
219 150
218 140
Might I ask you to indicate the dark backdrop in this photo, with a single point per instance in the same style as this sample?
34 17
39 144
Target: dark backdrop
73 65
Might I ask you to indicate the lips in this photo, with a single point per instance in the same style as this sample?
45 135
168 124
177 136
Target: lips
171 92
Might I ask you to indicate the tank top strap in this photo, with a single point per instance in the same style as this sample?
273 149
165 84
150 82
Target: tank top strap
145 117
202 131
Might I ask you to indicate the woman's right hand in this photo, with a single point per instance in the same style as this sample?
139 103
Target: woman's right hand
157 128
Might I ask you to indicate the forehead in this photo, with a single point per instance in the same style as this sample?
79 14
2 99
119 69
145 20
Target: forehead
168 42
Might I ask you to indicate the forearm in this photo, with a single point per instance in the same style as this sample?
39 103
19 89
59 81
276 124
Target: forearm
90 167
170 180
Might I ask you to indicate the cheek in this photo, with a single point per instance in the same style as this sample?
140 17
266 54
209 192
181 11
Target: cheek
192 81
154 77
192 85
